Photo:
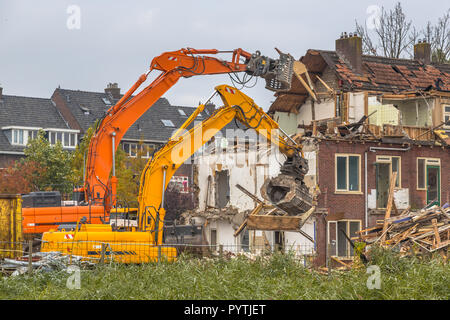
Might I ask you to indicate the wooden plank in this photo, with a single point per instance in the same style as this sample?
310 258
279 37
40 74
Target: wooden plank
256 210
389 205
274 223
341 262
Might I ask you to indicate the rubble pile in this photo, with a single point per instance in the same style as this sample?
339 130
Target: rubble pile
413 233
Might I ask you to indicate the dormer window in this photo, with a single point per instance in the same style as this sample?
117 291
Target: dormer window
67 138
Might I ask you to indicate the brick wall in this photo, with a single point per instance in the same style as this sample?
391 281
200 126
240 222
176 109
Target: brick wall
352 206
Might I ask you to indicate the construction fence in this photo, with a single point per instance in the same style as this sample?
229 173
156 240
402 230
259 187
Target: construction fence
15 255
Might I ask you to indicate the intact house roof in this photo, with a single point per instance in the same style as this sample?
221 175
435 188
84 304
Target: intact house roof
155 125
26 112
379 74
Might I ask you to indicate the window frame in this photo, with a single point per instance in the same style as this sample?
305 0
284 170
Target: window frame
445 114
347 231
430 162
347 191
383 159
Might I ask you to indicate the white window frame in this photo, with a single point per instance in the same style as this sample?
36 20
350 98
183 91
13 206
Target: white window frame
55 132
445 114
347 231
347 191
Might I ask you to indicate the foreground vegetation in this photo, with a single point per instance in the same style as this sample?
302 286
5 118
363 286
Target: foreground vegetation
277 277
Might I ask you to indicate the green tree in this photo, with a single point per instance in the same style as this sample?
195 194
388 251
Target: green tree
56 164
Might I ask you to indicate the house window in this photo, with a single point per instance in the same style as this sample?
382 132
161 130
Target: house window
338 231
32 134
348 173
394 165
181 112
179 184
213 239
447 115
106 101
52 137
133 149
429 178
168 123
18 137
67 139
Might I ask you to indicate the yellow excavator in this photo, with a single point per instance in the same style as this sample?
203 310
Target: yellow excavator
143 241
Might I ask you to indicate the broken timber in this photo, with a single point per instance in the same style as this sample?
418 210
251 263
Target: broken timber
269 222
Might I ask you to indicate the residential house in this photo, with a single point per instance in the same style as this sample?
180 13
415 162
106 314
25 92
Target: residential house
220 171
20 120
373 116
153 129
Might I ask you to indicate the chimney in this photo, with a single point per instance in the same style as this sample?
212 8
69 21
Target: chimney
113 89
422 52
1 93
349 48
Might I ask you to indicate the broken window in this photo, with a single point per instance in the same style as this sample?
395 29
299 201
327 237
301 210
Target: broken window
338 233
348 173
222 188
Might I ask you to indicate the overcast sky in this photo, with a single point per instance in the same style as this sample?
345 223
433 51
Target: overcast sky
116 41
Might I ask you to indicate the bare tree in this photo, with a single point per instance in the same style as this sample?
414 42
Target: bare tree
439 38
392 34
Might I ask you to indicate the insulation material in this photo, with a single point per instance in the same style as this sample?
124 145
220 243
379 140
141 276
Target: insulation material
372 199
385 113
401 198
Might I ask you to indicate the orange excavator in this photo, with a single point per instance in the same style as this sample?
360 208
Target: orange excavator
99 190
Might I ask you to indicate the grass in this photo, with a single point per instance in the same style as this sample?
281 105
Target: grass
279 277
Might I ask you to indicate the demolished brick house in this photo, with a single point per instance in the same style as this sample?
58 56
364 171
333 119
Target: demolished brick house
372 116
223 176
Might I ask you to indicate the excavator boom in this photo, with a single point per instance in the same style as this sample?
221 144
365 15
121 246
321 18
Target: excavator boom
99 187
162 166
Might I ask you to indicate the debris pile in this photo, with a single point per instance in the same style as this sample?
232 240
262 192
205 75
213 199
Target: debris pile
413 233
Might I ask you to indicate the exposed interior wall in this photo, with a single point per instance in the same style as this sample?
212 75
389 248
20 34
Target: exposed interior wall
241 169
385 113
414 112
287 121
355 106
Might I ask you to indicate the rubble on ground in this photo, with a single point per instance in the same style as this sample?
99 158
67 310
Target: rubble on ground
413 233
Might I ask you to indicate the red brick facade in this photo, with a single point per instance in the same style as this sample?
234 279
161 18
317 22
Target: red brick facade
352 206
